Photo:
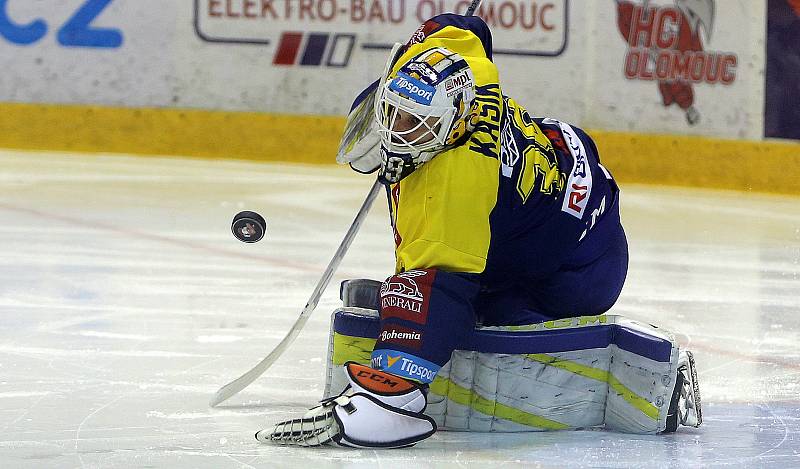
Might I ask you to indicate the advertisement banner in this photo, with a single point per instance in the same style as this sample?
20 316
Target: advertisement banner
319 54
108 52
525 28
651 66
679 66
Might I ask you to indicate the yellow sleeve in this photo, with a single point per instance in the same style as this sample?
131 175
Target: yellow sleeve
442 213
442 209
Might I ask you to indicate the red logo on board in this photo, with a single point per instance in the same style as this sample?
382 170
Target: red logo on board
665 44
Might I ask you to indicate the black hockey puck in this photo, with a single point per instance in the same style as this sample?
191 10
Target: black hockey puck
248 227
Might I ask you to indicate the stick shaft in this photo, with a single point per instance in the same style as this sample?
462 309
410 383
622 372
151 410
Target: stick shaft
237 385
472 7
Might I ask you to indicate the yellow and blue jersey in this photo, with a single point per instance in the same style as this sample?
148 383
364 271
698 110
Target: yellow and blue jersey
517 223
516 200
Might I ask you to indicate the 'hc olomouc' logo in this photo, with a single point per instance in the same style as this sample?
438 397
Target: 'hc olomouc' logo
665 45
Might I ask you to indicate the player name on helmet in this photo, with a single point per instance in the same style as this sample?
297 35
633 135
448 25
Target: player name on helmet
393 334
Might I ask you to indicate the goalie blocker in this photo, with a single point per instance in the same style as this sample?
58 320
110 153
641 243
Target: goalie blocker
570 373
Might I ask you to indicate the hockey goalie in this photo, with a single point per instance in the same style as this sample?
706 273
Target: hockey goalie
509 252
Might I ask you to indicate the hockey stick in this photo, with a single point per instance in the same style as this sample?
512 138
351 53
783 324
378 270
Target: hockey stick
472 7
235 386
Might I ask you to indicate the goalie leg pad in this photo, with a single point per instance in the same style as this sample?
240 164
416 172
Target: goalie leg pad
376 410
567 373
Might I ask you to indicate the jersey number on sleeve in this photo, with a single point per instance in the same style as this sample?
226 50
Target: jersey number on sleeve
539 168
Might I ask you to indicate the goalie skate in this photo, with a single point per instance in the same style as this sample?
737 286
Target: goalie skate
685 408
689 408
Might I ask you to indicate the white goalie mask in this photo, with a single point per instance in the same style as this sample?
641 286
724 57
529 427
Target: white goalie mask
423 109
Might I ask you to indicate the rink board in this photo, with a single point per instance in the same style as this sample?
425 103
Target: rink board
633 158
271 80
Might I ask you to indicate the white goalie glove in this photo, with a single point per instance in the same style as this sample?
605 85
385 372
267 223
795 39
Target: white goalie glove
376 410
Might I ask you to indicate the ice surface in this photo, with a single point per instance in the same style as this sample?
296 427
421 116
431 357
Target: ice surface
126 302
